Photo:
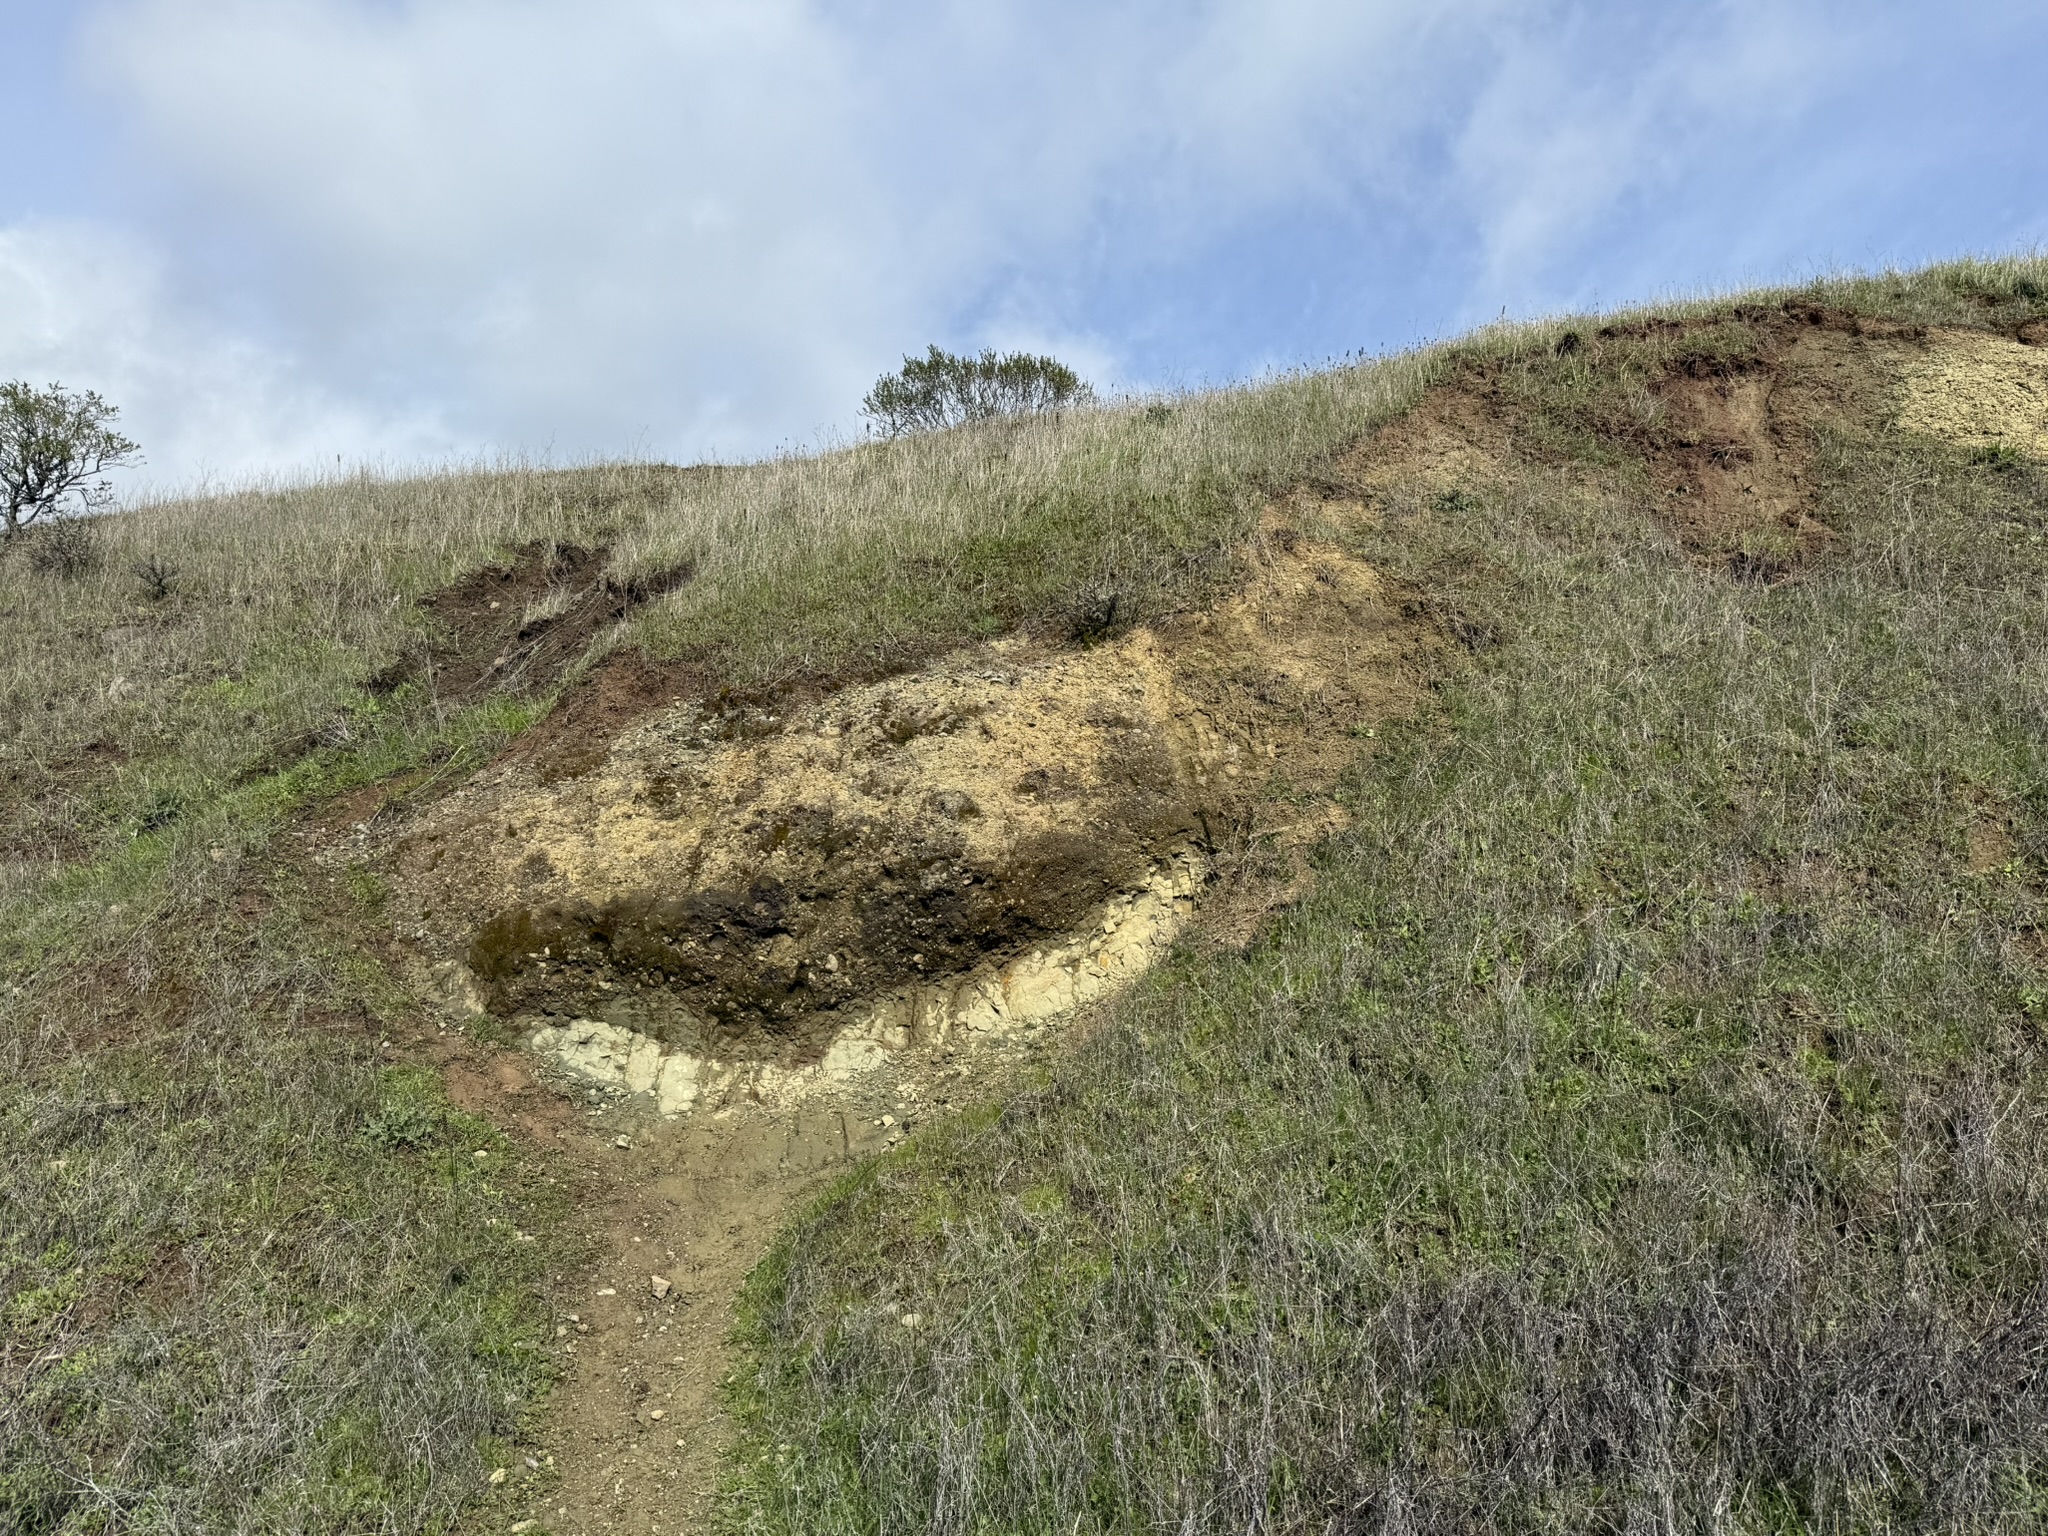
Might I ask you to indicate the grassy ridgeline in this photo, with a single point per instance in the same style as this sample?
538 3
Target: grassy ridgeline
1644 1125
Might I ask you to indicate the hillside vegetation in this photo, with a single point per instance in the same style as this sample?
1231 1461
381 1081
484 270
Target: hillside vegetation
1638 1125
1641 1127
254 1273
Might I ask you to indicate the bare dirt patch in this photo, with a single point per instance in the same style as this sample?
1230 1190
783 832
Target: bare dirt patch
801 927
748 884
1454 442
1732 459
577 734
1726 432
1735 475
519 626
1981 391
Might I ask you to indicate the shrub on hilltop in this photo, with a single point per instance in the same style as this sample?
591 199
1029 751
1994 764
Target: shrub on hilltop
944 389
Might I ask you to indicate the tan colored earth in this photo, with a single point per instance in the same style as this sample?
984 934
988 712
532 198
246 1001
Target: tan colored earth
1981 391
901 859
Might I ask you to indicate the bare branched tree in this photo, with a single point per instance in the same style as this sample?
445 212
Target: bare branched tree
55 447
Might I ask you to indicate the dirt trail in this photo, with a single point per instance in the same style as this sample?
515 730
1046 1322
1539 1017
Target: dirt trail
676 1211
636 1433
682 1212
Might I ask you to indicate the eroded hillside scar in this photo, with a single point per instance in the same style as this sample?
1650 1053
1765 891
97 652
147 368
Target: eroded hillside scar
518 625
904 858
734 895
761 939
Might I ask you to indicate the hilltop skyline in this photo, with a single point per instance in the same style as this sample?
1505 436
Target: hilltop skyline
286 235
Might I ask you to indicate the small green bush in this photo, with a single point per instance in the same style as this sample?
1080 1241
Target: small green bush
55 446
403 1123
943 389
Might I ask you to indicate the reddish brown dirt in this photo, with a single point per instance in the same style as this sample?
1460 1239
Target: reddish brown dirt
1734 477
1726 435
518 627
637 1436
578 732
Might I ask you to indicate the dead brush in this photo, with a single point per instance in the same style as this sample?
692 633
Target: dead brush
68 548
158 576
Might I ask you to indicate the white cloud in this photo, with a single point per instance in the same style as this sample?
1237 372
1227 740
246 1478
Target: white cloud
587 224
83 307
1590 114
703 226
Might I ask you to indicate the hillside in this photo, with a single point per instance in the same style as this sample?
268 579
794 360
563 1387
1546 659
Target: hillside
1451 943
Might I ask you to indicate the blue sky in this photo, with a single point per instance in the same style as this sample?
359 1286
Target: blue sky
286 233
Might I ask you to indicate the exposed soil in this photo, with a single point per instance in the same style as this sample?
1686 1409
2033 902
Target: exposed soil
740 884
1734 457
1983 391
637 1437
518 627
1454 442
1735 477
1727 438
578 733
